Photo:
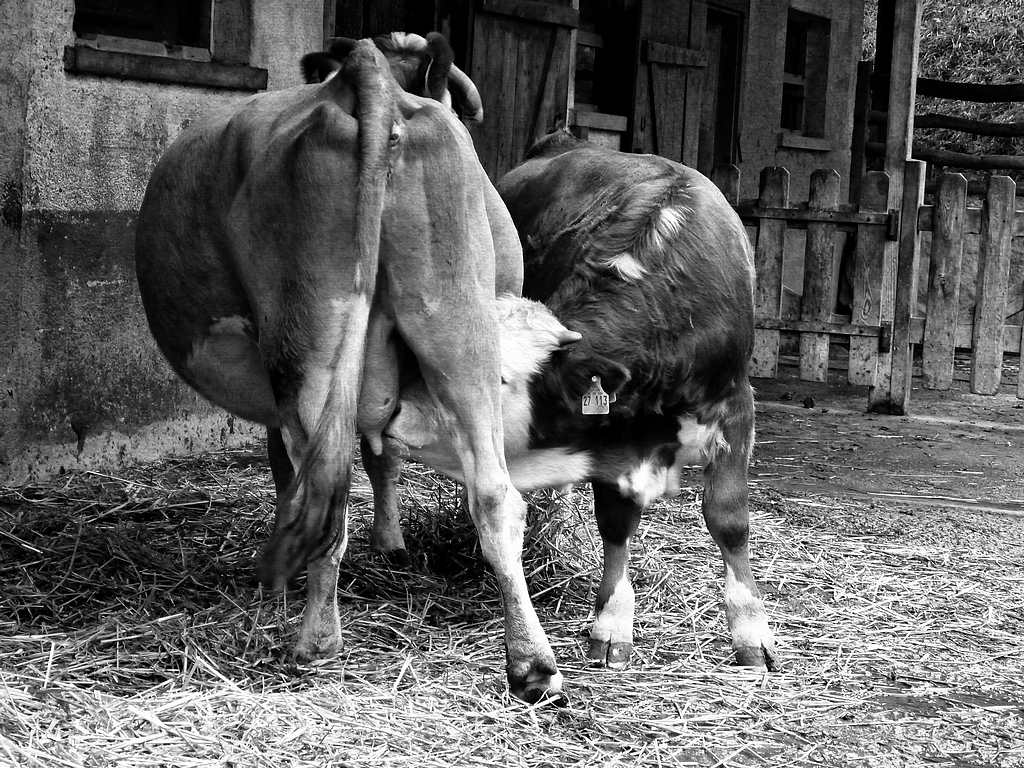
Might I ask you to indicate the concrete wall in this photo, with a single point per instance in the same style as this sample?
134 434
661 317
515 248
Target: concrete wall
81 382
761 98
761 107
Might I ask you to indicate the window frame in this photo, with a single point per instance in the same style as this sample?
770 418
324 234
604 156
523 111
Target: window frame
805 66
224 64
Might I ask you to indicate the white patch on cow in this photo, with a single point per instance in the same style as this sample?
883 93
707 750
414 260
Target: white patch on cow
648 482
699 443
627 266
408 41
546 467
668 224
614 622
745 615
226 367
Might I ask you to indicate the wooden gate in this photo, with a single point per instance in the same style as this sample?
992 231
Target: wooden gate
521 60
885 339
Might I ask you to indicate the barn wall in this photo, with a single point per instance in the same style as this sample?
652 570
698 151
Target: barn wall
81 382
762 93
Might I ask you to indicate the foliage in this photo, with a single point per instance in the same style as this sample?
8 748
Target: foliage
969 41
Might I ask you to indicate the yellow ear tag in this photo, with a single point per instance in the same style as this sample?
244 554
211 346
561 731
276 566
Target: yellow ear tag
595 400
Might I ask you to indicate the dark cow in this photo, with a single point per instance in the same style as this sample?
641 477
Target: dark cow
293 253
647 260
422 66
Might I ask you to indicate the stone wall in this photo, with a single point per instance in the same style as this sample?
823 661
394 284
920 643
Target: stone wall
81 382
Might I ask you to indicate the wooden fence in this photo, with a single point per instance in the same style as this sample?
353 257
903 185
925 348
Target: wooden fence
932 320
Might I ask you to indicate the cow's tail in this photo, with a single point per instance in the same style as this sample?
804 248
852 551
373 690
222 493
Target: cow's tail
314 505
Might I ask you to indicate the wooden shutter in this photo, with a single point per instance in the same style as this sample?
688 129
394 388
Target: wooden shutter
666 118
520 63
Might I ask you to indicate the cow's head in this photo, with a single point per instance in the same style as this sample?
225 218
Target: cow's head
422 66
529 335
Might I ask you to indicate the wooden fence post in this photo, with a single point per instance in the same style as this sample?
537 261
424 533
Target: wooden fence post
727 179
906 287
944 272
768 254
819 271
891 392
993 276
867 279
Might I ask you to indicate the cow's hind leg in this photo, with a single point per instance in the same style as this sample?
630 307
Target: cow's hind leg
281 468
384 472
728 520
611 638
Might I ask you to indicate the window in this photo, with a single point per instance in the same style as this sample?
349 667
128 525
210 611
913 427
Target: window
197 42
805 74
154 26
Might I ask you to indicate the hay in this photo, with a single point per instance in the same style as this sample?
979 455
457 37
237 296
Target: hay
132 633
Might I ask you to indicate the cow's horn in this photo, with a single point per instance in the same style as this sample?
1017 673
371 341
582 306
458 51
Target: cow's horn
566 337
469 96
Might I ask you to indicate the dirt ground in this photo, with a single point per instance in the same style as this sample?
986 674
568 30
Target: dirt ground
955 449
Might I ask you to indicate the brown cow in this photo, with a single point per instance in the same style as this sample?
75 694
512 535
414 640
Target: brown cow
291 252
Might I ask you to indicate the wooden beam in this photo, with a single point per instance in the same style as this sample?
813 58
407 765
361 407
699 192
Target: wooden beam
888 395
977 127
941 89
160 69
531 10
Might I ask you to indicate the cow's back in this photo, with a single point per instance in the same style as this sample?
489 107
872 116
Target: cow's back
647 260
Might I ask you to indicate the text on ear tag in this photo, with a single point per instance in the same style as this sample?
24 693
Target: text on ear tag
595 400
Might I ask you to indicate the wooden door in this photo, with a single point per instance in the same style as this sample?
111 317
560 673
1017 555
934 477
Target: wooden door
520 62
669 81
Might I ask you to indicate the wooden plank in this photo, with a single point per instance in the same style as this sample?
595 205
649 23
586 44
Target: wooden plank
944 281
673 55
158 69
668 109
1020 351
899 136
693 83
843 214
825 326
868 279
906 289
976 92
598 120
727 179
532 45
972 220
819 275
534 11
551 112
768 254
993 277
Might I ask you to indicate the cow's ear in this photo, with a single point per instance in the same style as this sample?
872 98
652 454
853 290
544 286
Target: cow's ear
614 375
317 67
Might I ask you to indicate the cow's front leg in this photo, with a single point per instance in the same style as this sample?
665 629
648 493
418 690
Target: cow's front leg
728 520
611 638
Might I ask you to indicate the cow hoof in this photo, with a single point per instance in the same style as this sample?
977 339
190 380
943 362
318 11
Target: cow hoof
539 685
757 656
397 557
307 651
612 655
